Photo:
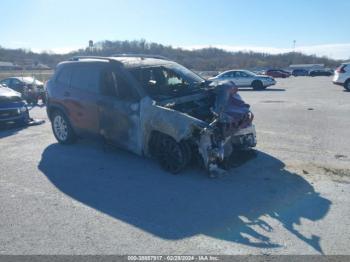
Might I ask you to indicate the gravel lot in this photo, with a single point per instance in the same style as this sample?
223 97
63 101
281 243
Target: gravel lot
293 198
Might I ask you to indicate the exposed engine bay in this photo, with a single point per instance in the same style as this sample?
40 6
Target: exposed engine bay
229 123
198 106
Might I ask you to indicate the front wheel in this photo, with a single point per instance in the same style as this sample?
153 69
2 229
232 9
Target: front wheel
62 129
347 85
172 156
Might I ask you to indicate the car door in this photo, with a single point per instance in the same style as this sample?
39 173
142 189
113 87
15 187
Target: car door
81 97
237 78
245 79
119 110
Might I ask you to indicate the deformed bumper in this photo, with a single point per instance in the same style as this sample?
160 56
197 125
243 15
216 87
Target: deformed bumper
214 155
244 138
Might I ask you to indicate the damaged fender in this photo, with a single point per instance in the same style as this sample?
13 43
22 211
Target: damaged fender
170 122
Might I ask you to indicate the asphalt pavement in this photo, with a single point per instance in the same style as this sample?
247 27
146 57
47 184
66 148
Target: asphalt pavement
292 198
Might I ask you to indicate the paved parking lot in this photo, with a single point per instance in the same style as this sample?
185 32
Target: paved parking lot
293 198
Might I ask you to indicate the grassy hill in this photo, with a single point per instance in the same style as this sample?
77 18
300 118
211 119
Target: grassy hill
207 59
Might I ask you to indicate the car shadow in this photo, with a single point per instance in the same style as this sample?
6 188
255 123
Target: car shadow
10 129
263 90
235 208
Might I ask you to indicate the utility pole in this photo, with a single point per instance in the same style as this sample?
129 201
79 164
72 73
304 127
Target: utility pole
293 57
294 44
91 46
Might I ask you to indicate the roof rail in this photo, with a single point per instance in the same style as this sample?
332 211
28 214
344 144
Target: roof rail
141 56
77 58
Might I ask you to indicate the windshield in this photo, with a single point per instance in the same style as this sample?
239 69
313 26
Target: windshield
165 81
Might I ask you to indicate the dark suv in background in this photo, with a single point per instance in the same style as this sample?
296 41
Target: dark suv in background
12 108
150 106
30 88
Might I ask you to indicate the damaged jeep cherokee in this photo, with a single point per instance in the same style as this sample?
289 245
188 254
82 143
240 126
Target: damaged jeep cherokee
150 106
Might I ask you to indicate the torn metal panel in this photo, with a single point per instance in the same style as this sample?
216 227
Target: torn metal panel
176 124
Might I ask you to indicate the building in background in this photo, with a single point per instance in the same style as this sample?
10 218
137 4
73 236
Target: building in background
9 66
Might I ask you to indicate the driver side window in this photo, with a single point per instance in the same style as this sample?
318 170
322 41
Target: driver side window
228 74
171 78
243 74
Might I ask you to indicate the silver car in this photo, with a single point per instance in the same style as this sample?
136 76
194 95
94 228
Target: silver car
245 78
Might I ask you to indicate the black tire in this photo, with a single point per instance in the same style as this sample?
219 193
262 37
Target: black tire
347 85
172 156
62 129
258 85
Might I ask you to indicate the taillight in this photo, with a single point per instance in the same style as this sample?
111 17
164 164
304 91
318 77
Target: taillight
341 69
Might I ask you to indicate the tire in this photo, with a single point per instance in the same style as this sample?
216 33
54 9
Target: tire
347 85
258 85
62 129
172 156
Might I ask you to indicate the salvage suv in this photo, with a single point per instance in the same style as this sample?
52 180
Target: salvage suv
150 106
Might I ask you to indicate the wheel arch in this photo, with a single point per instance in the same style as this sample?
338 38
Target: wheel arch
53 108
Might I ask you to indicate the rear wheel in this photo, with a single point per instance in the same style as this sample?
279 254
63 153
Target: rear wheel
258 85
347 85
62 129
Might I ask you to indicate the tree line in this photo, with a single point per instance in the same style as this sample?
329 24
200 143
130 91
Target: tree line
206 59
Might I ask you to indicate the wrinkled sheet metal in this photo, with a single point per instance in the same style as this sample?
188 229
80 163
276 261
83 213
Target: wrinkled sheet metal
229 105
167 121
180 126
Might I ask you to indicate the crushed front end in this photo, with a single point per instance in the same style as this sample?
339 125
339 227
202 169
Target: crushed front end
230 133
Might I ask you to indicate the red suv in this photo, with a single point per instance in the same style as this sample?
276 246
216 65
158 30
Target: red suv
277 73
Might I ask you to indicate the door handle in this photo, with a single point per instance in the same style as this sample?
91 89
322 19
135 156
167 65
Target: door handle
66 94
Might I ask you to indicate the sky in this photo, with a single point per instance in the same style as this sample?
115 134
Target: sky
319 27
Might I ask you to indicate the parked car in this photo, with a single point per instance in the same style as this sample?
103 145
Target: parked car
342 76
12 108
277 73
31 89
245 78
320 72
300 72
150 106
